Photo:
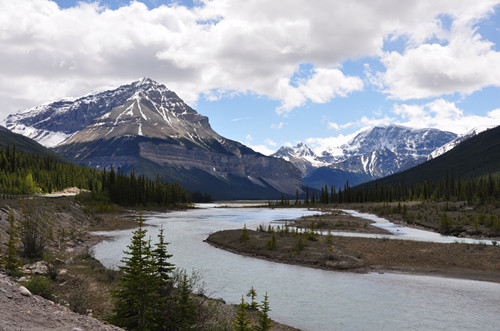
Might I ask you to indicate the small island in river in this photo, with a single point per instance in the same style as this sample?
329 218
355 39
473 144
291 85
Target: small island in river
308 242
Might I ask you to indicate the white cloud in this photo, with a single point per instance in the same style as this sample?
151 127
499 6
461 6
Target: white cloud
318 145
460 61
270 142
336 126
278 126
443 115
226 45
263 149
324 85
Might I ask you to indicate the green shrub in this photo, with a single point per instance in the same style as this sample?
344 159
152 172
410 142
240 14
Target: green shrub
39 285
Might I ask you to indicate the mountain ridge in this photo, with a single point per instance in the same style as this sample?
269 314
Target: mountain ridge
144 127
373 153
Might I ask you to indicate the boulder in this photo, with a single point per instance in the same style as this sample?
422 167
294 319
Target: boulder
40 268
24 291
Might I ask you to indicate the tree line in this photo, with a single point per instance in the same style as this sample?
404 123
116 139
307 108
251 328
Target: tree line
451 187
25 174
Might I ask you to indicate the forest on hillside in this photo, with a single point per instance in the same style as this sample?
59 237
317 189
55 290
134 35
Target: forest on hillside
24 174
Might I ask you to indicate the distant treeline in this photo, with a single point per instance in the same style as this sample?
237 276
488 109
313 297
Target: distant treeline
23 174
450 188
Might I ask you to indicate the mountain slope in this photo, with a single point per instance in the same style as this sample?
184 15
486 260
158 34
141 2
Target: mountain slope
455 142
472 158
371 154
146 128
26 145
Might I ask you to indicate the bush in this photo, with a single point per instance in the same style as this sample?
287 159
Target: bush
79 297
39 285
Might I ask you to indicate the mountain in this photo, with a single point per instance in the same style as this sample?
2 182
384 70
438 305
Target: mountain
374 153
301 156
145 128
474 157
458 140
26 145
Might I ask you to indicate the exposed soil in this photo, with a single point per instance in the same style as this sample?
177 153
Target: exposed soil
19 312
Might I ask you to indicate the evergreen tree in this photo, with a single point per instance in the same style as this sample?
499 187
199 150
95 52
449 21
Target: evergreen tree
264 320
252 294
186 307
245 236
164 270
11 256
136 299
241 321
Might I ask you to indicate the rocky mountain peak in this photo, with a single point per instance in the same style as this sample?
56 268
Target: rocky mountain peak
53 123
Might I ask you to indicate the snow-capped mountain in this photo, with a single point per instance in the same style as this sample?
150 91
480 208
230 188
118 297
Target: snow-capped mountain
53 123
302 157
455 142
146 128
373 153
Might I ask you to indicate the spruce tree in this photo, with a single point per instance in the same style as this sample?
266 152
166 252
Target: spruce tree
241 321
136 299
164 270
185 317
264 320
252 294
11 256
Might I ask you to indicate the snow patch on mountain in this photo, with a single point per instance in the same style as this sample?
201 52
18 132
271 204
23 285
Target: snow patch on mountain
455 142
43 137
376 152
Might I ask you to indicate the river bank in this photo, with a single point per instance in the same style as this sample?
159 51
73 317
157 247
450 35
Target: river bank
339 253
79 275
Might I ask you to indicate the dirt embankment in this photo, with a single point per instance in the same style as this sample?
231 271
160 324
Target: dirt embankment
32 312
479 262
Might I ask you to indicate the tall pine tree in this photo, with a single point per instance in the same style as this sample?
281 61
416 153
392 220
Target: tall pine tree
136 299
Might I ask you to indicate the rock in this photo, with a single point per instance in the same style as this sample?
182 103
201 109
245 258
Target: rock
22 279
24 291
40 267
62 272
69 261
76 329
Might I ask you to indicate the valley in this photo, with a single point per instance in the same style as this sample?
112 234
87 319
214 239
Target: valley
138 152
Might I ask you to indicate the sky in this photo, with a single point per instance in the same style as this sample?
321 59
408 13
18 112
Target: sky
266 73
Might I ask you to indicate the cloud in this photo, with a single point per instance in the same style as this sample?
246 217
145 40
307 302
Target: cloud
443 115
324 85
278 126
263 149
336 126
222 47
271 142
459 62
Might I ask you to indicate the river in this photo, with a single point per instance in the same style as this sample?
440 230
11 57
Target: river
313 299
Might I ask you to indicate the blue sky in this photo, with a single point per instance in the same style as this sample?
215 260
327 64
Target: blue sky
266 74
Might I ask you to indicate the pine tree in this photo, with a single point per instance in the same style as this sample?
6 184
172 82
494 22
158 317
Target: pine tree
264 320
136 299
252 294
241 321
245 236
167 297
164 268
186 308
11 256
